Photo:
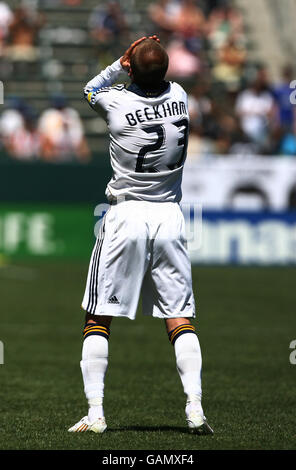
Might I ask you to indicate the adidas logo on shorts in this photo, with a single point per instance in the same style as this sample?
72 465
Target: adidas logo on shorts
113 300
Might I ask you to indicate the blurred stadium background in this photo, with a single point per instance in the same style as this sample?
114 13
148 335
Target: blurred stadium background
236 59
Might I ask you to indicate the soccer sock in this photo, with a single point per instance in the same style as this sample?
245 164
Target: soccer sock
189 362
94 366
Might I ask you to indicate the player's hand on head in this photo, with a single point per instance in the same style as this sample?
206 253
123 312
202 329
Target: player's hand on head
125 59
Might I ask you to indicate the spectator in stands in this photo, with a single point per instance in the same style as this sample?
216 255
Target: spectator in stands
18 130
108 24
189 20
200 109
183 63
24 143
72 3
210 5
183 19
230 62
255 107
6 18
199 146
223 22
287 144
199 104
62 134
282 94
226 131
23 33
242 146
162 14
11 119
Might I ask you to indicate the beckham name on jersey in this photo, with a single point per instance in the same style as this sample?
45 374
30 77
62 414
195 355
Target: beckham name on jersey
173 108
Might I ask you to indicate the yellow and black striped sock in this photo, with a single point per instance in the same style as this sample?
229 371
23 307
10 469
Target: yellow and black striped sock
96 329
180 330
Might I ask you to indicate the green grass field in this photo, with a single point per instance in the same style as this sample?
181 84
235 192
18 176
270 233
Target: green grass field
246 321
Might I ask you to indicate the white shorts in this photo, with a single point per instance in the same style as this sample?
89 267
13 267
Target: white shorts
141 248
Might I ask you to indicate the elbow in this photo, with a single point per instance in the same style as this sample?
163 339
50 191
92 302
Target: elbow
86 91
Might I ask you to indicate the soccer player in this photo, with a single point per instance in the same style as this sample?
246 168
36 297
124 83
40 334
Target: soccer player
141 244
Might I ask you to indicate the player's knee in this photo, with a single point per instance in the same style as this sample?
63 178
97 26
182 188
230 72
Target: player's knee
104 320
172 323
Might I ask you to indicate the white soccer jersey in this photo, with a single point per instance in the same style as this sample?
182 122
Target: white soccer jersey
148 137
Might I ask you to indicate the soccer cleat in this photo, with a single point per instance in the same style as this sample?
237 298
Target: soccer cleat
198 424
98 426
196 420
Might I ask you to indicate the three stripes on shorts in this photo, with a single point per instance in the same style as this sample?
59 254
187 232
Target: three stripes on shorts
93 283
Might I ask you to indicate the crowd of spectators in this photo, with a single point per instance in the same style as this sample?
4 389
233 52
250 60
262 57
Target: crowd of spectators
19 32
234 106
57 135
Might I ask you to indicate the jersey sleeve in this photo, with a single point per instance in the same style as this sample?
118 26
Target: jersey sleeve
97 91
